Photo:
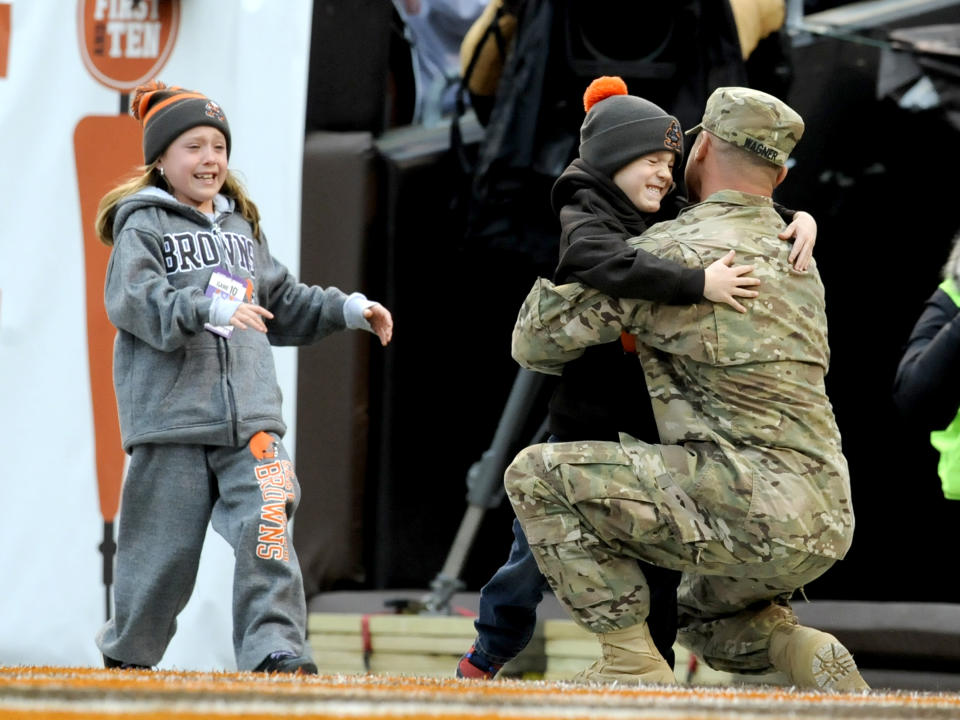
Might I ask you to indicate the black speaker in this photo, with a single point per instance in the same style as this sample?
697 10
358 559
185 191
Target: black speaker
350 45
447 374
334 376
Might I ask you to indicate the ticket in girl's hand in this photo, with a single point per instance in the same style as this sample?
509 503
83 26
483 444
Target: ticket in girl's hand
223 284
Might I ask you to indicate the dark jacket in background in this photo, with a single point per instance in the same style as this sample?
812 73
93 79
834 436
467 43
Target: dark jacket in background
927 385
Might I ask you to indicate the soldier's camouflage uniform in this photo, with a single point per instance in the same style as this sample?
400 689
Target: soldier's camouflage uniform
749 493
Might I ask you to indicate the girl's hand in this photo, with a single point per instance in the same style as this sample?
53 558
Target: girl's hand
250 316
722 281
803 230
381 321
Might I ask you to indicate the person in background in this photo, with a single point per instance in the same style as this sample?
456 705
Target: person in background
435 30
927 385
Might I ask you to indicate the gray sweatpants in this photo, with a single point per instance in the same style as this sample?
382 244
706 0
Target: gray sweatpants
169 495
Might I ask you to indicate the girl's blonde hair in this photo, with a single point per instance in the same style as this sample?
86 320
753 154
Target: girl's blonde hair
150 177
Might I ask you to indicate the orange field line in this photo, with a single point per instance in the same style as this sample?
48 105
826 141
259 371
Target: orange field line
385 687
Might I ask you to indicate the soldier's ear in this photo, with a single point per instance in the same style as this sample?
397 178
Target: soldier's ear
701 145
781 176
695 147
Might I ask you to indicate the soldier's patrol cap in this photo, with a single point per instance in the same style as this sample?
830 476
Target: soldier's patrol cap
753 120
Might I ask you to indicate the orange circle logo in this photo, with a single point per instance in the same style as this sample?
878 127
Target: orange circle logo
126 42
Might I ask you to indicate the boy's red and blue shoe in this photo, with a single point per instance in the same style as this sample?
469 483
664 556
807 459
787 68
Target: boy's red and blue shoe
474 667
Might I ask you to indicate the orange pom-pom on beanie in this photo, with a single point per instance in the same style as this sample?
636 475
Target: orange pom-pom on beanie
603 87
620 127
142 95
166 111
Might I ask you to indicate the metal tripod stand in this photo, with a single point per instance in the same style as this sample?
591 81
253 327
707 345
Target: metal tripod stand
485 486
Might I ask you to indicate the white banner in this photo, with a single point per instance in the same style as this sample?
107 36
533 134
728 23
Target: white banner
251 56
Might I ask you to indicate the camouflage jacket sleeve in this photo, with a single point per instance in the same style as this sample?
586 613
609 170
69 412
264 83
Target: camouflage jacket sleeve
556 323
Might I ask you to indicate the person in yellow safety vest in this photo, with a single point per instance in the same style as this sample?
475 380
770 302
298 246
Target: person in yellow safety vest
927 385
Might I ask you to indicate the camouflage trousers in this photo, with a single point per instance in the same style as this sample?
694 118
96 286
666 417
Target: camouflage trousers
590 510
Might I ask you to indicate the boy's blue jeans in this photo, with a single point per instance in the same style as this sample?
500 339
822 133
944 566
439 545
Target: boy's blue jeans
507 616
508 604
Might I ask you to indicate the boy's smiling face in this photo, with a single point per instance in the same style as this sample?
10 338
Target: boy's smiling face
647 180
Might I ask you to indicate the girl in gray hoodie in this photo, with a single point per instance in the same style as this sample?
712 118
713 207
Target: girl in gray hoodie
197 300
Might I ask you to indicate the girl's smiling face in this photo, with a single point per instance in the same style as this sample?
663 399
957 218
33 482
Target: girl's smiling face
647 180
195 166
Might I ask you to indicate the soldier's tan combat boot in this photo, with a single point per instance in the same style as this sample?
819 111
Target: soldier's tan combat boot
629 657
814 660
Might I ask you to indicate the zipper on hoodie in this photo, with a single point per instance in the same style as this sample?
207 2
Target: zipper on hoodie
218 236
224 357
231 398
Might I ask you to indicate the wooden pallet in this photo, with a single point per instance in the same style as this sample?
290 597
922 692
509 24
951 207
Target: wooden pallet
422 645
397 645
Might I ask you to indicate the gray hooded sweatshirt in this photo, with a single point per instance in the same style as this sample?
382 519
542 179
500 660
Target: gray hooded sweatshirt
175 381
